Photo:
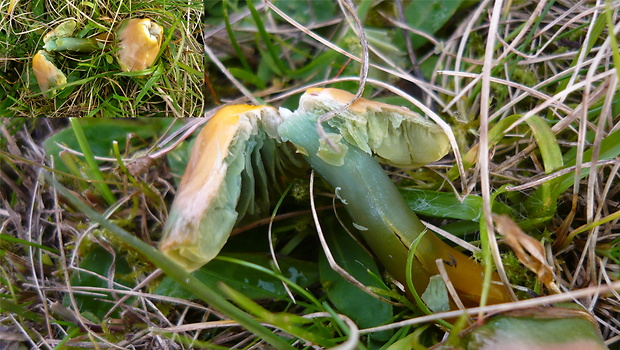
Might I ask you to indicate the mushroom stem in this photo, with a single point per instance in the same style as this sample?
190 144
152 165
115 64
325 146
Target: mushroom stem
385 221
72 44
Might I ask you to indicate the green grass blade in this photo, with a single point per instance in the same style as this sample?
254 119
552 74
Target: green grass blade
12 239
271 49
544 204
233 38
496 133
285 321
610 148
99 183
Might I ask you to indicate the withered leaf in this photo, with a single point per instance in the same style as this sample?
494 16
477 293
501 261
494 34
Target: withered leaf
528 250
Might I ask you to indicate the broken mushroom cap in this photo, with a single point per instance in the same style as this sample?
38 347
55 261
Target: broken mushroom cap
48 75
205 208
63 30
139 41
60 39
395 135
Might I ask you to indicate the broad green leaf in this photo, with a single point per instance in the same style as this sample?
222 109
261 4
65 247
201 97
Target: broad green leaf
364 309
436 295
253 284
447 205
410 342
98 261
535 329
429 16
308 11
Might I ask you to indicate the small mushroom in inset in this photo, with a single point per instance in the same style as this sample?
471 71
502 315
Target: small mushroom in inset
48 75
139 41
63 30
60 39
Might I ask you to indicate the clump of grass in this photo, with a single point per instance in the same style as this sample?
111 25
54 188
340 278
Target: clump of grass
530 92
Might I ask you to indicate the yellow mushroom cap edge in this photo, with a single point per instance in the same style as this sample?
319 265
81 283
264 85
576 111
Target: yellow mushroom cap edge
203 212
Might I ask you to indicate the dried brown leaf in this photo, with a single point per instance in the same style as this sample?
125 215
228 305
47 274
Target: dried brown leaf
528 250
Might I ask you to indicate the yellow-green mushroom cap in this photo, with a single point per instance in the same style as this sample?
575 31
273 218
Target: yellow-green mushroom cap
139 41
48 75
395 135
204 209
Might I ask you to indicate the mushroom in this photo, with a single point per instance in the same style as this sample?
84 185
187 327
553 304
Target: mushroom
241 149
48 75
59 39
234 160
139 43
63 30
397 136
